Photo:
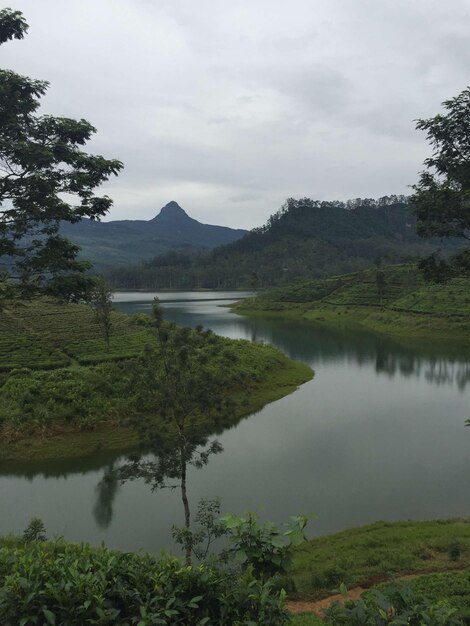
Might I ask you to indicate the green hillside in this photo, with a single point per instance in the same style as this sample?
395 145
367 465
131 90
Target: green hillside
394 300
63 392
305 239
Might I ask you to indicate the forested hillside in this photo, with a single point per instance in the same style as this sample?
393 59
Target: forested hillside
304 239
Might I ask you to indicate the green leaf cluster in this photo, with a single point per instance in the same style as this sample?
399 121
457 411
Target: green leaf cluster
66 584
262 546
42 164
395 605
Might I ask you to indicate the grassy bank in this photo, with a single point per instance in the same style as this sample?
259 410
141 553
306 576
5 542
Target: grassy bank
393 300
368 555
72 397
432 556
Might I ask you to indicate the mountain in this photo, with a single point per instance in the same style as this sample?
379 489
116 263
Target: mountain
125 242
305 239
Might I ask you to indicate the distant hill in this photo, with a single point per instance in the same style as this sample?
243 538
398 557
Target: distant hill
305 239
126 242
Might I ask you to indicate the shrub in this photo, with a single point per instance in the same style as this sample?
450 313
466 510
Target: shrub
396 604
60 583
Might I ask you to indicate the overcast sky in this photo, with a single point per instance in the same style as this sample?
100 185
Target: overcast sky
231 106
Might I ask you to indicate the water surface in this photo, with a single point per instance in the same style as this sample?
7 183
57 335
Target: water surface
378 434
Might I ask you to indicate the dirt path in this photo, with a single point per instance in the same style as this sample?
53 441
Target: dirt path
301 606
317 606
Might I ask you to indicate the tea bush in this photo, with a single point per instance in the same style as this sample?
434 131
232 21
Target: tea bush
58 583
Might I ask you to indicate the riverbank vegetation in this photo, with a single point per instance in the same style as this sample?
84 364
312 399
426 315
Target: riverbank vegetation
69 583
393 299
60 383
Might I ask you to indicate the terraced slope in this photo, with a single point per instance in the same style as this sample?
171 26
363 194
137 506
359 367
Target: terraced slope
44 335
394 300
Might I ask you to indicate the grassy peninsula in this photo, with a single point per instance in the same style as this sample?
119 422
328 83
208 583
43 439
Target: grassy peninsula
64 392
394 300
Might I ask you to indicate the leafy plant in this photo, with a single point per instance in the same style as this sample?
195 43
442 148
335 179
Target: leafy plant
206 530
60 583
261 546
396 605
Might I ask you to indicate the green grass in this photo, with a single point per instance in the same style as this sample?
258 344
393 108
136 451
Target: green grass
362 556
306 619
453 587
370 554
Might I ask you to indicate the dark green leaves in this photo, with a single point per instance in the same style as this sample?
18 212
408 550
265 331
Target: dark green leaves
12 25
40 161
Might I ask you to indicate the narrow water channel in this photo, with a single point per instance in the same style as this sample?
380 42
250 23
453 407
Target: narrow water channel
378 434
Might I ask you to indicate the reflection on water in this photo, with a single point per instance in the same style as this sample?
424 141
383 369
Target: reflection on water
106 491
378 434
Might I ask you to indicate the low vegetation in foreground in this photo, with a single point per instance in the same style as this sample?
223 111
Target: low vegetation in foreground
53 582
394 300
431 560
64 390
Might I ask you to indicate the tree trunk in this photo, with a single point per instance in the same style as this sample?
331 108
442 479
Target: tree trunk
187 512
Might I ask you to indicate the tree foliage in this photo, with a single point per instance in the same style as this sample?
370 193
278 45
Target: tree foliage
45 179
102 301
191 394
442 196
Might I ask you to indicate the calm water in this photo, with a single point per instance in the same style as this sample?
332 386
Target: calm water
378 434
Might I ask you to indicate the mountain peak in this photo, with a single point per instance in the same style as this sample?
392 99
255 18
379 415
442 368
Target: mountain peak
172 209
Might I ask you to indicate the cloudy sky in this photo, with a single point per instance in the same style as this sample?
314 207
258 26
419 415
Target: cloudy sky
231 106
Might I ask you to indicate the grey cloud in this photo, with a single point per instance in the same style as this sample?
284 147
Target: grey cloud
233 107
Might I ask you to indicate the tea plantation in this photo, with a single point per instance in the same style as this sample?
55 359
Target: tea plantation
393 300
44 334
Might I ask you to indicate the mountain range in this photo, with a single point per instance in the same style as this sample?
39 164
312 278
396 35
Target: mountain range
127 242
305 239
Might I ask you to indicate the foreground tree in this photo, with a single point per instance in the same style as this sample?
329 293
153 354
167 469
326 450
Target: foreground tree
45 178
185 396
442 196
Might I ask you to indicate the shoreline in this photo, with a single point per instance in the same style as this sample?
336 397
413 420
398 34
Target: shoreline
383 321
67 442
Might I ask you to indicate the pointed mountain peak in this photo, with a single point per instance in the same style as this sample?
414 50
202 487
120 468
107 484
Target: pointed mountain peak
171 210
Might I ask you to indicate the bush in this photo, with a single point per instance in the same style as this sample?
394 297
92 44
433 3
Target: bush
397 605
67 584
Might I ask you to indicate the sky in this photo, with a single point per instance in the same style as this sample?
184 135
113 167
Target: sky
231 106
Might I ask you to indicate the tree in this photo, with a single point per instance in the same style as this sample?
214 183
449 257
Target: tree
45 179
185 394
101 299
441 200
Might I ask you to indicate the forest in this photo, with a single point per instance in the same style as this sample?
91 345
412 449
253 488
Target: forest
304 239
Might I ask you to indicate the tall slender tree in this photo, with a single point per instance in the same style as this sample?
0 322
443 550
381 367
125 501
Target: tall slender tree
185 397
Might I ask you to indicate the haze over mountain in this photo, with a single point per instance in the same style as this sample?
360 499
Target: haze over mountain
126 242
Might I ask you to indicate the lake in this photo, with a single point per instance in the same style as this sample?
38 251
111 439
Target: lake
378 434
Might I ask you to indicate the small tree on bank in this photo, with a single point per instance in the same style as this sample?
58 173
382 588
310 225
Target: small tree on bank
101 299
186 387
